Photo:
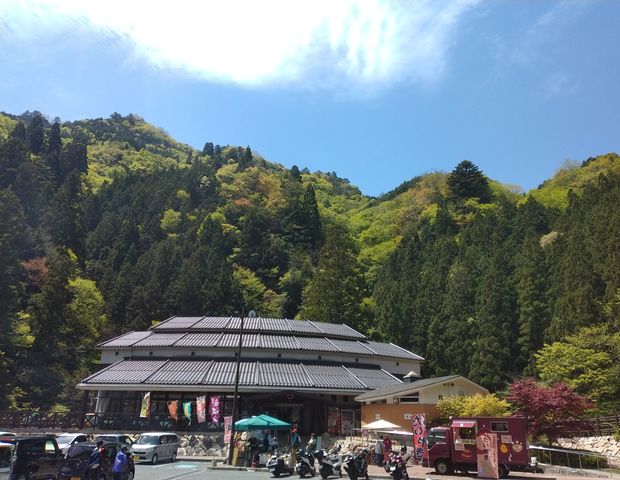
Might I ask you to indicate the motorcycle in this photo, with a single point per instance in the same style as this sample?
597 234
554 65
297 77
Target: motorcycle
305 464
356 465
277 465
329 464
397 467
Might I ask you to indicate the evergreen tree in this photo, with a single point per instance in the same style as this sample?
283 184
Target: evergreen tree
36 134
208 149
466 181
19 132
335 292
531 278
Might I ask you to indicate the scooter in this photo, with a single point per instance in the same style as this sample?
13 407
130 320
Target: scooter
305 464
397 467
277 465
356 465
329 464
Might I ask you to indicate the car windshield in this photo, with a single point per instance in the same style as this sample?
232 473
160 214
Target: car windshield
148 440
65 438
436 437
81 452
106 438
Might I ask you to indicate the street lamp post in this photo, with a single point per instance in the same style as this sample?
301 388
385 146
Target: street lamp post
251 314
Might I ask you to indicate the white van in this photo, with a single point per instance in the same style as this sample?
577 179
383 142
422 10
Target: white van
155 446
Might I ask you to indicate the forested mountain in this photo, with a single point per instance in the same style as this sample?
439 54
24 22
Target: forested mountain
110 224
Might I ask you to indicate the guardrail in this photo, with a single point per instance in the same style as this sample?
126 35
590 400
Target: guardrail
574 459
34 420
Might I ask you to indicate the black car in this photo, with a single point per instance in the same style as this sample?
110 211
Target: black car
74 466
33 457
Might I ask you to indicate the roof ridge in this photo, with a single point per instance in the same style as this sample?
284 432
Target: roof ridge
339 349
355 377
310 378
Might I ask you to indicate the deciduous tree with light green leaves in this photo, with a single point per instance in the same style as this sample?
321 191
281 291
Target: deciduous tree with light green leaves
588 362
473 405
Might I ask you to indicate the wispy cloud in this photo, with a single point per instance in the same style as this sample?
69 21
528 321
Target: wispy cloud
559 85
316 43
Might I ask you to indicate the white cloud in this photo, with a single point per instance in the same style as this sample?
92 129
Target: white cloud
316 43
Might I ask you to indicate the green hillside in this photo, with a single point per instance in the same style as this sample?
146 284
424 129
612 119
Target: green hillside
110 224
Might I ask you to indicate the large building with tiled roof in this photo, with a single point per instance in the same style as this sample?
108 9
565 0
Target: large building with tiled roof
305 372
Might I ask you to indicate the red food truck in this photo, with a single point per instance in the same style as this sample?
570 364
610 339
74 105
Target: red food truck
453 448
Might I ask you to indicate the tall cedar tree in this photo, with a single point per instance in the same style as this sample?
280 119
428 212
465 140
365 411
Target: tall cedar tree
335 292
36 134
466 181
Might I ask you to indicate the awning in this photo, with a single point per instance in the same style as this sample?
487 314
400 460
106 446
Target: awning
262 422
463 424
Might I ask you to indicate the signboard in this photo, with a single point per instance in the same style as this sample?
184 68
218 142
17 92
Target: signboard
419 436
486 449
347 422
227 429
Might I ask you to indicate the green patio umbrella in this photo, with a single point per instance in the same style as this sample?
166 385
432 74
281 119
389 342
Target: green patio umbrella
261 422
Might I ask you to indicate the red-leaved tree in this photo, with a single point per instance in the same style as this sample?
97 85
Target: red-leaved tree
550 410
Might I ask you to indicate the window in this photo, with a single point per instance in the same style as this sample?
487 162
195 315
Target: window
440 397
412 398
116 353
193 354
499 426
435 437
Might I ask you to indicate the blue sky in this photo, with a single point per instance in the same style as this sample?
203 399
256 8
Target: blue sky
378 91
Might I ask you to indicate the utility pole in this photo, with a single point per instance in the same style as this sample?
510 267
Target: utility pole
235 407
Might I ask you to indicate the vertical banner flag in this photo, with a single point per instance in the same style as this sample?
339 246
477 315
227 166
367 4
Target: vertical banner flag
173 409
200 409
214 409
227 430
488 461
145 409
187 410
419 436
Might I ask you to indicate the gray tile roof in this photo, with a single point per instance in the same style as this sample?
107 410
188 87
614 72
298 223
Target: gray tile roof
394 389
259 325
258 374
257 341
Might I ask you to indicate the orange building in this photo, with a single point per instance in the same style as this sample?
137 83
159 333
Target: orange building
401 402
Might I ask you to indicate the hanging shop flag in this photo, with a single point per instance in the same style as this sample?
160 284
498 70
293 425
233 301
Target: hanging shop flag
173 409
187 410
214 409
488 461
418 424
227 429
201 405
145 410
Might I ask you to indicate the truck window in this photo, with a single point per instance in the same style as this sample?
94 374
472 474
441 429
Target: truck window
499 426
436 437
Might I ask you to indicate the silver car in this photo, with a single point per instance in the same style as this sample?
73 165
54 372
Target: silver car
155 446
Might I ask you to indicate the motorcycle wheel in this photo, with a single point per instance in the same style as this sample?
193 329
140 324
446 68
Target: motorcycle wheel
324 473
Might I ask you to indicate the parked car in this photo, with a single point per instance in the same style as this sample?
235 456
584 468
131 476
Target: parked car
115 437
6 452
7 434
65 440
33 457
155 446
74 465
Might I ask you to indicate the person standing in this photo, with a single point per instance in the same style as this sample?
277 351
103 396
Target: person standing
121 464
94 462
387 449
295 444
312 443
379 451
